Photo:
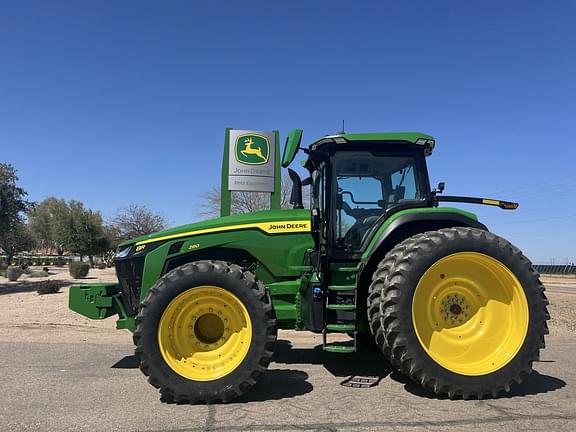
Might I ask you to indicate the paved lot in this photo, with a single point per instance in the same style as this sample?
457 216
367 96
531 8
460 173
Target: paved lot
72 386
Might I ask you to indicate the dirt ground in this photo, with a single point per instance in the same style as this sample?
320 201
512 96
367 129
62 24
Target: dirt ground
46 318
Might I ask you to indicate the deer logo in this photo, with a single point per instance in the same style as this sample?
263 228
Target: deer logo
248 150
252 150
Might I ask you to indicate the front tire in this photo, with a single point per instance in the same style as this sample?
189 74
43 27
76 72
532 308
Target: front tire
460 311
205 332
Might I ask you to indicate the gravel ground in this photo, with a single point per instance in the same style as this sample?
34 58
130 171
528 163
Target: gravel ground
562 314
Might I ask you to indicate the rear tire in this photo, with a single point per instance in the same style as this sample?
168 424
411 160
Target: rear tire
205 332
460 311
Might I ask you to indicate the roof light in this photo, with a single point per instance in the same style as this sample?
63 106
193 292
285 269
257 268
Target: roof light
340 140
421 141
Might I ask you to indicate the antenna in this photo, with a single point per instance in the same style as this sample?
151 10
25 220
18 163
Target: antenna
343 132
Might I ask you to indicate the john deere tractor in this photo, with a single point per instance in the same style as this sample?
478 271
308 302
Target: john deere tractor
456 308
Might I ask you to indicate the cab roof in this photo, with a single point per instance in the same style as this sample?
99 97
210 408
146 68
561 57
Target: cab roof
411 137
418 138
294 139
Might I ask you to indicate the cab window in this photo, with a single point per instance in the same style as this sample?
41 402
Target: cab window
366 186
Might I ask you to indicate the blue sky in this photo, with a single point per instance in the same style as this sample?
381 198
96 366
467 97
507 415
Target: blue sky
113 102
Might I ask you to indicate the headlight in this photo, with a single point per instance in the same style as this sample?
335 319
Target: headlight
123 252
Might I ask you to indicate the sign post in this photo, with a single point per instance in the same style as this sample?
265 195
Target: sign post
251 163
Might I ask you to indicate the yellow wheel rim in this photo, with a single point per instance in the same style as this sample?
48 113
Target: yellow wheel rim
470 313
205 333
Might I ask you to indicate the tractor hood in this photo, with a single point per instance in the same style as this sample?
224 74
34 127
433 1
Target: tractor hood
269 221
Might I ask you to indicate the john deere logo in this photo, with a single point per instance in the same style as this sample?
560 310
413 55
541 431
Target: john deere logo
252 149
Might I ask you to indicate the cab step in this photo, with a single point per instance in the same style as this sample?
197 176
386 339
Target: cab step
342 287
339 348
348 269
341 328
341 307
361 381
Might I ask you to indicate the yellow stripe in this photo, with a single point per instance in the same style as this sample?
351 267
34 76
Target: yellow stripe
491 202
280 227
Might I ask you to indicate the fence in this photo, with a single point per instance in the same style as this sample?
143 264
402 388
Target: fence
556 269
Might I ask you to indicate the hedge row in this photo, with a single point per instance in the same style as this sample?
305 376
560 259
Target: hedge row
36 261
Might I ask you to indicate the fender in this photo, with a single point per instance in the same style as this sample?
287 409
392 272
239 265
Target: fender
407 223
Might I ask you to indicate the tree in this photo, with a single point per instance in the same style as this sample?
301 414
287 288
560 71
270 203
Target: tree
81 231
46 224
15 240
13 201
247 202
13 205
136 220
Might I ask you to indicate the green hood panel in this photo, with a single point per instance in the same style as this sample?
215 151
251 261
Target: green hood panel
272 221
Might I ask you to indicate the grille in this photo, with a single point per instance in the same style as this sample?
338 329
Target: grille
129 272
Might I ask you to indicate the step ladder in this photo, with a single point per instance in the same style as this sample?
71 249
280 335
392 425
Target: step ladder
341 316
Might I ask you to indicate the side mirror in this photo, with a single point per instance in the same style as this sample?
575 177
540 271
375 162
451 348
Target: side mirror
296 196
441 187
291 147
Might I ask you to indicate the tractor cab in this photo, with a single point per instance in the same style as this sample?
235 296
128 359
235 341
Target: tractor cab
358 180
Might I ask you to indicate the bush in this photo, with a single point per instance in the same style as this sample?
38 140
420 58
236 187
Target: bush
13 273
79 269
48 287
101 266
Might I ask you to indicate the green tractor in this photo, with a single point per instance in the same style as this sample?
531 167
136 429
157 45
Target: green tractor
456 308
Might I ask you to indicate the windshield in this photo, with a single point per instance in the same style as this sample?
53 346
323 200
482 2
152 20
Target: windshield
368 185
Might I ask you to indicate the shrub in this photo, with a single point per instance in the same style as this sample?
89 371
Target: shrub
48 287
79 269
101 266
13 273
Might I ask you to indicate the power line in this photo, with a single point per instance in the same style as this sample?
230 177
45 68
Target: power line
536 220
560 181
